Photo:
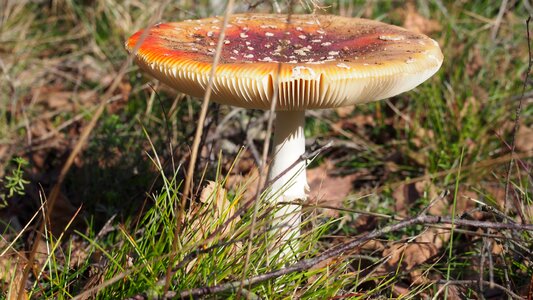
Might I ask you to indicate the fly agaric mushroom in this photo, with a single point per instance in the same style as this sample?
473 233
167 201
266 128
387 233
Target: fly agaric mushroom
316 61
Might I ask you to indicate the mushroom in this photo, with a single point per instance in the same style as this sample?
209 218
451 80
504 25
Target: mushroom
326 62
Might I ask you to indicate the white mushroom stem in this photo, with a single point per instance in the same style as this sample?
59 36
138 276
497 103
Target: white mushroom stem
289 145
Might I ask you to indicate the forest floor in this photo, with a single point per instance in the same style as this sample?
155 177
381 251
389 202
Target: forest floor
428 194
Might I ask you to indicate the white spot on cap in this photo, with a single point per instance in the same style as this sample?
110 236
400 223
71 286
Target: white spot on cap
269 34
391 37
321 31
250 48
236 51
302 37
249 56
325 44
433 57
232 57
343 65
243 35
226 42
301 51
299 70
333 53
210 33
268 26
316 41
299 28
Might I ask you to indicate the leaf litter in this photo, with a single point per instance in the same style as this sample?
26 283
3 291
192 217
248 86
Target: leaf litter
325 186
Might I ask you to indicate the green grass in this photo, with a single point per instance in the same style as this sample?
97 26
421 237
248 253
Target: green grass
131 170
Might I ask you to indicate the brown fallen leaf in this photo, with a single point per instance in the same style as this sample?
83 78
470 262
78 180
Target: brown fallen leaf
475 62
11 267
41 253
413 254
409 255
328 190
405 196
495 195
373 245
415 22
524 139
243 184
319 266
464 201
212 210
344 111
214 207
79 253
438 237
454 291
400 290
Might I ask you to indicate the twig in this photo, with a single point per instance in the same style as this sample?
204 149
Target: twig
339 250
263 163
475 282
93 290
197 138
84 136
498 21
469 168
350 210
246 206
362 143
517 116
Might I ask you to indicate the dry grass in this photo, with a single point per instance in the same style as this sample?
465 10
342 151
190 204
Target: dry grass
74 107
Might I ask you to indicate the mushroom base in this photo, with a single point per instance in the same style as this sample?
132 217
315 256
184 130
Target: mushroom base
291 186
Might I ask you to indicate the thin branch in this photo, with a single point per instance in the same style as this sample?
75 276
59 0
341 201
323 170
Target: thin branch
197 138
517 116
84 136
263 163
245 207
476 282
345 247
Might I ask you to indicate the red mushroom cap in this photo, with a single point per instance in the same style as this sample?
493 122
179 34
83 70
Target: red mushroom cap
326 61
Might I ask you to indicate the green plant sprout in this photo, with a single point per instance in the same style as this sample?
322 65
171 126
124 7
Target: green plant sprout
14 183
